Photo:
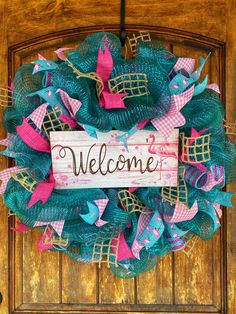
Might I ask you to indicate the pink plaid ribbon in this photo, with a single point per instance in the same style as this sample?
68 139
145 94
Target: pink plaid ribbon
38 115
173 118
182 213
56 225
187 64
5 176
4 142
214 87
60 53
101 204
143 222
73 105
218 209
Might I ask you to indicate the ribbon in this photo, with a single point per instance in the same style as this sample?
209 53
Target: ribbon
56 225
124 251
180 81
44 65
187 64
92 214
43 191
72 105
60 53
45 246
205 180
95 212
214 87
181 213
49 95
20 227
152 232
101 203
143 222
104 70
175 238
38 115
32 138
173 118
220 197
124 137
5 176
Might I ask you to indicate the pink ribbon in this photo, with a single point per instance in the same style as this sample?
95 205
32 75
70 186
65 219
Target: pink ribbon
173 118
101 204
57 225
20 227
42 191
123 248
72 105
104 70
143 222
38 115
45 246
32 138
182 213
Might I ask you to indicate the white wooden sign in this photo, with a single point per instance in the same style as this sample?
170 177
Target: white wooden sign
81 161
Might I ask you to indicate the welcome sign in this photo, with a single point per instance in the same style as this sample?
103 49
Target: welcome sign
82 161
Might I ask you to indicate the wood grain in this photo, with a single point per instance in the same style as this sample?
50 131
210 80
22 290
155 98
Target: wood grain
202 17
36 279
230 241
4 284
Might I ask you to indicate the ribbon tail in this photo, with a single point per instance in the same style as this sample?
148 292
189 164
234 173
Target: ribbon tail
42 192
124 250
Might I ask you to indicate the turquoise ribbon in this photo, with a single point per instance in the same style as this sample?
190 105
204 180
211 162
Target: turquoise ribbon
180 82
220 197
49 95
92 215
153 231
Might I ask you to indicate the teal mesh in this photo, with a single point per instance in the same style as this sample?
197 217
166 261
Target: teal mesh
203 111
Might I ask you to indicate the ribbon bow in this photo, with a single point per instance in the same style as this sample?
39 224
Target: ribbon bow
104 70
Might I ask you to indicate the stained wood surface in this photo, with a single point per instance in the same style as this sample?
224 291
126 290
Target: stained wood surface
51 282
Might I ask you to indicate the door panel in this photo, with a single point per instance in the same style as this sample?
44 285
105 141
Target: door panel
193 282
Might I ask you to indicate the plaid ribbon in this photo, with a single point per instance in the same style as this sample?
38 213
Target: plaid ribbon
173 118
72 105
38 115
187 64
143 222
5 176
182 213
101 204
56 225
214 87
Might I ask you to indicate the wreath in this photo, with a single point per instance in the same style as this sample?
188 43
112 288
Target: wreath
94 88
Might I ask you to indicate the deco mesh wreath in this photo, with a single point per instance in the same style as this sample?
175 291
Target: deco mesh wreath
93 88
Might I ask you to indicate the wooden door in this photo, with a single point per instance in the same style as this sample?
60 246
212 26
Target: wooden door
204 281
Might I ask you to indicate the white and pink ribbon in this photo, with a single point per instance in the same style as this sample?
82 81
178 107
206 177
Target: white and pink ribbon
173 118
38 115
5 176
182 213
187 64
101 204
56 225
